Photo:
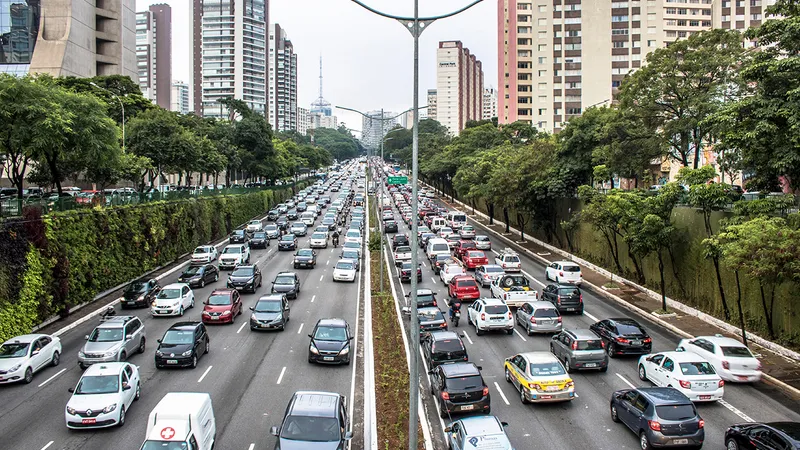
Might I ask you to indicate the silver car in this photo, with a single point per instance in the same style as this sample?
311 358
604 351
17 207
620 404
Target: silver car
115 339
482 242
539 317
485 274
579 349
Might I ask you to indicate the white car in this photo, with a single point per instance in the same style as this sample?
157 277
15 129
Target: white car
488 314
204 254
449 271
103 396
345 270
687 372
22 356
482 242
443 232
318 240
509 260
233 255
255 225
172 300
467 232
402 253
353 236
731 359
564 272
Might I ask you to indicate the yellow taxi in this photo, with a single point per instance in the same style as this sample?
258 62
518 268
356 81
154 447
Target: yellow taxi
539 377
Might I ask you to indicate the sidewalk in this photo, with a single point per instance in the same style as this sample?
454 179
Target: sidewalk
780 370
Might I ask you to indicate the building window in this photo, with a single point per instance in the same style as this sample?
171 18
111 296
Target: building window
573 33
542 86
573 111
619 18
542 8
542 47
542 111
615 84
542 22
542 60
572 20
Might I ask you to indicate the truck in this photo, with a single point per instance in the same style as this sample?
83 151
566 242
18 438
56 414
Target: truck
514 289
181 420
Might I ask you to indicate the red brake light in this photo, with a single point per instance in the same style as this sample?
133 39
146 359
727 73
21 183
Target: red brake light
726 365
434 303
603 344
510 317
685 384
561 274
655 426
622 340
574 345
647 340
559 319
445 396
701 423
721 383
533 320
483 316
580 299
485 391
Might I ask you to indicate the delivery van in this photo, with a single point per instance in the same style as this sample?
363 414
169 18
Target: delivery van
181 420
436 246
438 222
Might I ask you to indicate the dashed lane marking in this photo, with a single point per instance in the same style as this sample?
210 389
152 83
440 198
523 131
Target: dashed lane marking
51 378
626 381
280 377
502 395
204 374
520 335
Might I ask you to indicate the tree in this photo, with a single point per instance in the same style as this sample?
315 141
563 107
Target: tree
157 134
125 89
627 147
578 141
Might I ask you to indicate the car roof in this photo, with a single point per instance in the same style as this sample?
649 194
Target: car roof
187 325
539 357
109 368
333 322
491 301
664 396
314 403
116 321
680 357
460 369
541 304
463 278
246 266
479 425
425 309
346 260
25 338
444 335
721 340
175 286
286 273
790 429
270 297
625 321
582 334
424 292
493 266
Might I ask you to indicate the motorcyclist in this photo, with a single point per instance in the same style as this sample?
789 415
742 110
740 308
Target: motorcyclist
455 306
335 236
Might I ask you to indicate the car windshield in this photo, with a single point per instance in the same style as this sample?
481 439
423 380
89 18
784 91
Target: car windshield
192 270
255 222
243 272
353 233
311 429
169 293
464 383
229 250
305 252
512 259
493 269
201 250
271 227
697 368
569 291
676 412
448 346
101 384
14 350
344 265
427 297
284 280
178 337
740 352
629 329
403 249
219 299
495 309
545 313
268 306
476 254
331 334
238 233
481 238
259 235
429 314
590 345
137 286
287 238
350 255
106 335
352 244
572 269
298 225
546 369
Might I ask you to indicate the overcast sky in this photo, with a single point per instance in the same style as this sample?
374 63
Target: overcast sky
367 59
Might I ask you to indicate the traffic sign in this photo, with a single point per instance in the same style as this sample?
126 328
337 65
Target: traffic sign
398 180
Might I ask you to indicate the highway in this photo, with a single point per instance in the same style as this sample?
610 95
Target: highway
584 422
251 376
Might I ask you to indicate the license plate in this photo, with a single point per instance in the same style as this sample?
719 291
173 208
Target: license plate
705 397
88 421
172 361
131 302
680 441
497 319
327 358
570 309
552 388
214 317
467 407
239 288
545 397
590 365
636 342
162 312
741 378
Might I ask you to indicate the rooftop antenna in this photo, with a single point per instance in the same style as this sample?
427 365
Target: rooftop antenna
320 105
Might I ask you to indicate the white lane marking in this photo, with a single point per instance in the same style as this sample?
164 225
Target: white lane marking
252 446
735 410
626 381
590 316
468 338
327 263
301 328
321 277
204 374
313 297
423 264
280 377
433 279
501 394
47 446
51 378
241 328
520 335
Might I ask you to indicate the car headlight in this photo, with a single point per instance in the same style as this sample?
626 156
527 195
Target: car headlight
313 349
71 410
81 354
345 351
159 353
15 368
226 313
153 304
110 408
253 318
176 303
141 297
277 319
186 353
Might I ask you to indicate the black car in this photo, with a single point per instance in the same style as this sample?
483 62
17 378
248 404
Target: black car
301 207
272 215
425 298
441 347
398 240
199 275
430 319
286 283
460 388
404 272
282 222
140 293
756 436
330 342
259 240
661 417
305 257
245 278
565 297
440 260
237 237
182 345
287 242
271 312
292 214
390 226
623 337
314 420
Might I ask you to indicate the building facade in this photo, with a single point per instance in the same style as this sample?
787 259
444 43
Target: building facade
431 109
373 129
320 120
81 38
180 97
282 81
459 86
230 50
303 120
154 53
489 103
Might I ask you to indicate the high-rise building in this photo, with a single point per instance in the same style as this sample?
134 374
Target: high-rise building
407 119
459 86
154 53
180 97
489 103
282 80
373 129
544 49
78 38
230 50
303 120
320 120
431 109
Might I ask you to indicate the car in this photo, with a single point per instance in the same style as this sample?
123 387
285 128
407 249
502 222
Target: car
402 254
565 297
237 237
305 257
282 208
564 272
322 229
462 247
222 306
140 293
579 349
314 420
398 240
352 246
387 216
199 275
731 359
204 254
660 417
425 298
430 318
301 208
352 255
22 356
330 342
292 214
539 317
539 377
448 271
423 239
482 242
272 231
509 260
286 283
460 388
390 226
299 229
103 396
474 259
173 300
233 255
442 347
477 432
623 337
404 272
687 372
245 277
282 223
490 314
770 435
287 242
318 240
182 345
443 231
462 288
485 274
259 239
329 222
440 260
270 312
115 339
345 270
272 215
254 225
467 232
453 242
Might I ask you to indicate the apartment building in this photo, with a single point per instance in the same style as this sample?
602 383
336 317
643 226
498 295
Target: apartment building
154 53
489 103
459 86
303 120
431 109
180 97
282 81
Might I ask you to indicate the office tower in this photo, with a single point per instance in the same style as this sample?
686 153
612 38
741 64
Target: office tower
154 53
459 86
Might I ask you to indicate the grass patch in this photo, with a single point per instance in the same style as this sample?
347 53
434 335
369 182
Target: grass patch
612 285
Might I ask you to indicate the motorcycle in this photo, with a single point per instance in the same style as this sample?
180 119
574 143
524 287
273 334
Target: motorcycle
335 241
455 313
456 318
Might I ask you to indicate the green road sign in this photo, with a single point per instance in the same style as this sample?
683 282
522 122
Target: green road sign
398 180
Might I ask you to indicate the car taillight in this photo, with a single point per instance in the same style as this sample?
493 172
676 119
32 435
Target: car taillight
655 426
485 391
622 340
721 383
445 396
533 320
580 299
443 325
603 344
510 317
574 345
758 367
561 274
726 365
701 423
535 386
483 316
647 340
685 384
434 303
559 319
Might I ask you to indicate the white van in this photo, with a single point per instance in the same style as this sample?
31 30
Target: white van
456 219
181 420
438 222
308 218
436 246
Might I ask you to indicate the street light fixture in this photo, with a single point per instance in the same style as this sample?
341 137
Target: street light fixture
415 25
122 105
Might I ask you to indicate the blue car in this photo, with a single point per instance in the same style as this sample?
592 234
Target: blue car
478 432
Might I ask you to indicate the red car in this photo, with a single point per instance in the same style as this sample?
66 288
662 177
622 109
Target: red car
463 287
463 247
475 258
222 306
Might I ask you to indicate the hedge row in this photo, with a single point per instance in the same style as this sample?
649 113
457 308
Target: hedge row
49 264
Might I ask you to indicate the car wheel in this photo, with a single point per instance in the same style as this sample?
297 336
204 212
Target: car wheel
614 415
478 331
528 330
611 350
56 359
28 375
205 351
138 392
443 413
522 397
194 361
295 266
202 283
568 365
180 312
644 443
82 366
121 416
642 373
310 360
731 445
510 331
123 356
216 277
604 369
546 276
233 318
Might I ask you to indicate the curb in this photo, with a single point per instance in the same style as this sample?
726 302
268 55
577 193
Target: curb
370 401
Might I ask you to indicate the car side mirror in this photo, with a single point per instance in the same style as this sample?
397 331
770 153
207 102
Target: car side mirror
680 349
86 337
407 310
71 390
273 431
158 340
310 336
126 387
252 308
348 436
35 352
504 424
128 338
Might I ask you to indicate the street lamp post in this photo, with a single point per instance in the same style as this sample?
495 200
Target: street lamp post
122 105
415 25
